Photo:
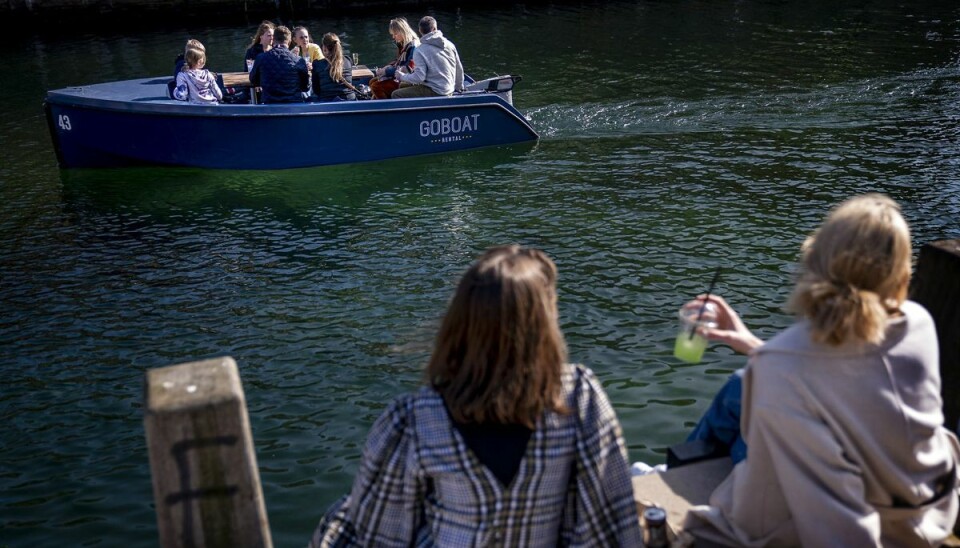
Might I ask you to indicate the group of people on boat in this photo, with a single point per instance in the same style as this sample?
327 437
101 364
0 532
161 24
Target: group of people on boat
288 67
506 444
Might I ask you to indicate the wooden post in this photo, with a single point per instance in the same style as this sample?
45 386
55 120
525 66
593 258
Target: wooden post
205 480
936 285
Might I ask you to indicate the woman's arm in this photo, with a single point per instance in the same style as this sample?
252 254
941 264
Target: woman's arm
387 497
419 74
603 510
404 60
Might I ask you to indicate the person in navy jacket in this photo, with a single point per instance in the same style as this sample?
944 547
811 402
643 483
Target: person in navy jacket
280 73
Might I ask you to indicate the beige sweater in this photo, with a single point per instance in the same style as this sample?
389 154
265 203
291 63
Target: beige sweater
846 446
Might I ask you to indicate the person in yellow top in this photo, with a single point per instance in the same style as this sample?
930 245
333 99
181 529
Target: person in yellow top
304 46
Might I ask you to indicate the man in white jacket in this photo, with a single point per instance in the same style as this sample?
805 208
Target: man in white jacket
437 70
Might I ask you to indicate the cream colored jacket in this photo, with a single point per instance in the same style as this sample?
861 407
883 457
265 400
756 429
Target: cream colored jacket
846 446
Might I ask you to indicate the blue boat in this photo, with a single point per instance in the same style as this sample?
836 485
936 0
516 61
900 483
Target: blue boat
134 122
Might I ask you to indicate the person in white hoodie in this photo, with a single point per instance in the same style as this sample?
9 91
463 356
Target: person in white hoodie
437 70
195 83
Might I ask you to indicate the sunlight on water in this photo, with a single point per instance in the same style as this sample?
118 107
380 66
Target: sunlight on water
675 140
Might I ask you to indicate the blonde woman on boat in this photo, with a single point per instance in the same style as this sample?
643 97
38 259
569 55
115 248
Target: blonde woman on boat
304 47
405 38
506 444
841 412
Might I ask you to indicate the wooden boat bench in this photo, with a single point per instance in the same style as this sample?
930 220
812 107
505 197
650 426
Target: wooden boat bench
242 79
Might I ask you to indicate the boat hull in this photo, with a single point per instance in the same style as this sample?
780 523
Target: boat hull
134 123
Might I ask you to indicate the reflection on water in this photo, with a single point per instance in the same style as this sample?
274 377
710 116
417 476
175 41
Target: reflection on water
676 139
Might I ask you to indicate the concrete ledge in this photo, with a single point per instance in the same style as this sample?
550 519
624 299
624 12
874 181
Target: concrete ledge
679 489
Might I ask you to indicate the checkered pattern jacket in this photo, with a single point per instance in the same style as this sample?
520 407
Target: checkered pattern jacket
419 485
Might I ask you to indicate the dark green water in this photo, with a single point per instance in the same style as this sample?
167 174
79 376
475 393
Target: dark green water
677 137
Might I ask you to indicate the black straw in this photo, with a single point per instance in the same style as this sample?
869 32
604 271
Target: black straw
713 284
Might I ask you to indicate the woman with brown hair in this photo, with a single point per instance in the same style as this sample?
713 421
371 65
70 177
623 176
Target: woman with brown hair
333 74
506 444
841 412
262 41
383 82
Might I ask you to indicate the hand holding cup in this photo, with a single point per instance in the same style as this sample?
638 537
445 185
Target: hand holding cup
728 328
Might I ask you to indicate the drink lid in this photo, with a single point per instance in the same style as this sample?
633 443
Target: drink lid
654 514
689 315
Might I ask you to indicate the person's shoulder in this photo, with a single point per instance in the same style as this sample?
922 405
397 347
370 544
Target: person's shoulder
914 326
579 378
795 338
577 371
401 407
916 313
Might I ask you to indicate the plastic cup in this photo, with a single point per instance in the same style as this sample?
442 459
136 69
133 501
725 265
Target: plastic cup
690 345
249 65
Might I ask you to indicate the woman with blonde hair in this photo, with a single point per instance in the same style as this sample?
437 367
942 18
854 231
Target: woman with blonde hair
505 444
333 74
841 412
383 82
304 46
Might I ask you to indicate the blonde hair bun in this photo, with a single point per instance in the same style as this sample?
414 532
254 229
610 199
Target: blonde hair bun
854 271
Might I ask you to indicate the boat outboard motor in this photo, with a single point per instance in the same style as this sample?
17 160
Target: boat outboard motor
501 85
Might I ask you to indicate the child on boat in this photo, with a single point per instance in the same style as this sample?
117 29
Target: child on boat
196 84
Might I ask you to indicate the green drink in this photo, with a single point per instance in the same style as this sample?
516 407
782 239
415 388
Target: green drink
690 345
689 349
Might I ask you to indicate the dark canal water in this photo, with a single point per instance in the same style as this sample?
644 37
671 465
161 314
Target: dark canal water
676 137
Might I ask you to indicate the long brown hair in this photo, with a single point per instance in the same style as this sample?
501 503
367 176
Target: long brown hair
264 27
331 44
855 271
499 354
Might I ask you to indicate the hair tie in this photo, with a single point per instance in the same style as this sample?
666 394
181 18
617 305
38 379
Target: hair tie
846 291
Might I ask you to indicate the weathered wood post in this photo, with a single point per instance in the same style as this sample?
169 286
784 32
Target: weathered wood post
936 285
205 480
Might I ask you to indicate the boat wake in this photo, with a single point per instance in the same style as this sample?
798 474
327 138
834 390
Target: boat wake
871 102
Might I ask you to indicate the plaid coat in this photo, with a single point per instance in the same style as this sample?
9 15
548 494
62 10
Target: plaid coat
419 485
